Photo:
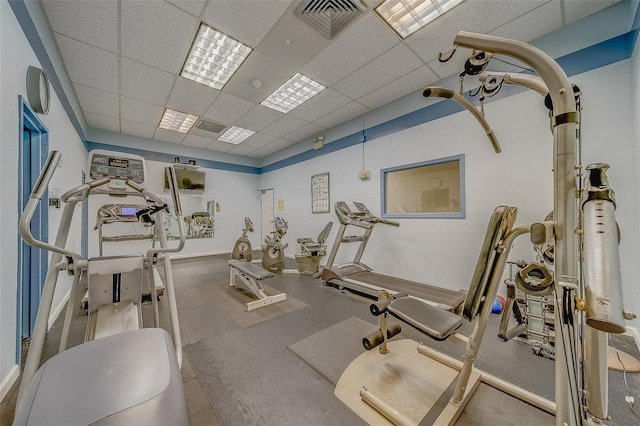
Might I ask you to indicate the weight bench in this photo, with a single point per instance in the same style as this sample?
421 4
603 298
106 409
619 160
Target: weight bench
401 385
251 276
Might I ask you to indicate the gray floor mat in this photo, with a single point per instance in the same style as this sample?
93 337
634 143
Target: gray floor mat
320 350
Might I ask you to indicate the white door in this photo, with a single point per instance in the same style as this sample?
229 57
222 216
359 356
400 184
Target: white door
266 199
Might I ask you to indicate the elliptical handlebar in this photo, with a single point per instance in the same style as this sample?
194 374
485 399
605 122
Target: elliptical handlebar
37 193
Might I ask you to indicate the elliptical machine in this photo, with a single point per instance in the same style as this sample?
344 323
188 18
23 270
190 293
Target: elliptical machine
242 248
273 257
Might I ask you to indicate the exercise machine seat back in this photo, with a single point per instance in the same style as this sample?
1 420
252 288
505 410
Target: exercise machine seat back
500 224
133 378
440 324
107 287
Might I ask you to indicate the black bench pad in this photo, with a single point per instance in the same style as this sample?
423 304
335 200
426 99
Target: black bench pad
435 322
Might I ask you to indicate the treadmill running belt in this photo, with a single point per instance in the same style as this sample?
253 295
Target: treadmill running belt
422 291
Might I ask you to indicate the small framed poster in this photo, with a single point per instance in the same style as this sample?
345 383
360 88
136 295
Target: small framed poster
320 193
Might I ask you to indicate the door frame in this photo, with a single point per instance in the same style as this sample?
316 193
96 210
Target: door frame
32 262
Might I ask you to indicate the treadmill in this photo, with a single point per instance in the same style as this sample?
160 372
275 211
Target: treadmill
360 278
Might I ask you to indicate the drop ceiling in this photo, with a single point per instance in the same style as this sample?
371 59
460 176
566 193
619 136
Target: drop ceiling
123 58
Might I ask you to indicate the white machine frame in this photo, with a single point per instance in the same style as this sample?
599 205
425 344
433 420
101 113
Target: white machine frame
113 319
251 276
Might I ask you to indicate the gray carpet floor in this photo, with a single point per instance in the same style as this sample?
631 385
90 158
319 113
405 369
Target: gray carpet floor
278 365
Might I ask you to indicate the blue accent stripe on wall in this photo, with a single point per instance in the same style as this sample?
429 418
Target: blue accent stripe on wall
168 158
30 31
599 55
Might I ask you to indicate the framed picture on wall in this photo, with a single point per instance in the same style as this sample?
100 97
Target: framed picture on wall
320 193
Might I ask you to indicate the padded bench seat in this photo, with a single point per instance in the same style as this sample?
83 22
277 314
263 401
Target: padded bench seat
248 268
435 322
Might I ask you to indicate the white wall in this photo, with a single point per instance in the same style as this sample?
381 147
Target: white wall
444 251
17 55
633 292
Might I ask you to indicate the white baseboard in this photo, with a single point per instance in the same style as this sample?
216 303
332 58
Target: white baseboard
9 380
201 254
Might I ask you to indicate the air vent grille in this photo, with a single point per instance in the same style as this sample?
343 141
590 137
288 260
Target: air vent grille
329 17
209 126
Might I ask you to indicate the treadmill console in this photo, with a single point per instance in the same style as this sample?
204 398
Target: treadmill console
354 213
119 167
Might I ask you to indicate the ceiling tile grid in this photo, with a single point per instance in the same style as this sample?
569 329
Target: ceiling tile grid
95 23
389 66
246 21
98 101
124 58
360 43
140 112
156 33
140 81
89 65
137 129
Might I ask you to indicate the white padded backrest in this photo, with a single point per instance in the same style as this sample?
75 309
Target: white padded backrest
113 279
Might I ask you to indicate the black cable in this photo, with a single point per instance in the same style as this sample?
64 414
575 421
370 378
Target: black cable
513 65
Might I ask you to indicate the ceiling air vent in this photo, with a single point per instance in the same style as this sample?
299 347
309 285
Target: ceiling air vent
209 126
329 17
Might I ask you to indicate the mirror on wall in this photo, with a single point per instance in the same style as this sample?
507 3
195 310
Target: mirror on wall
198 217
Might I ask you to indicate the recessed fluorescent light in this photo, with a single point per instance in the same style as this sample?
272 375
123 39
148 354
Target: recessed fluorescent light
408 16
214 57
178 121
235 135
294 92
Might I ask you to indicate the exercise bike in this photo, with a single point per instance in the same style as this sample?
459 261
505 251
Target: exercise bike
273 257
242 248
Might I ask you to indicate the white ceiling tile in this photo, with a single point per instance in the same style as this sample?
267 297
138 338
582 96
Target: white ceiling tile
386 68
258 118
169 135
94 22
341 115
88 65
140 112
220 146
371 3
137 129
196 141
323 103
226 109
307 131
304 41
248 21
277 145
259 153
156 33
408 83
283 126
479 16
455 65
194 7
258 66
532 25
241 150
574 10
102 122
258 140
98 101
360 43
140 81
189 96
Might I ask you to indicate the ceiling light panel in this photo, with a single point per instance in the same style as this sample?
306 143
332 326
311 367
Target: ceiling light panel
235 135
408 16
214 57
176 120
294 92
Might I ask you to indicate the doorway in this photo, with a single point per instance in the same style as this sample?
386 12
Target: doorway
266 201
32 262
